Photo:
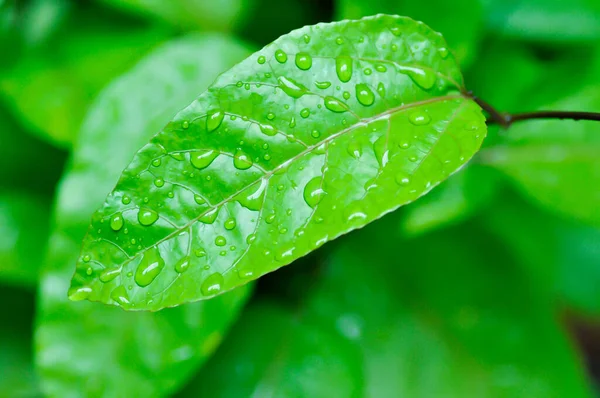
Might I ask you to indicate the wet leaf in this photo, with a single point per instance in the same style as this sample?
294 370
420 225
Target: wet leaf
107 351
321 132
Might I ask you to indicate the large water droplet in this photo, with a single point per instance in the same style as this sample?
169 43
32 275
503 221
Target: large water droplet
116 222
212 285
305 113
109 274
424 78
343 68
214 120
210 216
230 224
199 199
241 161
268 130
419 118
313 191
220 241
381 150
149 268
147 217
323 85
354 149
280 56
303 61
252 199
159 183
202 159
335 105
364 94
291 87
79 293
182 265
119 294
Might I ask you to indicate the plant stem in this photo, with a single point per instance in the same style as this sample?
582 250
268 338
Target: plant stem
506 119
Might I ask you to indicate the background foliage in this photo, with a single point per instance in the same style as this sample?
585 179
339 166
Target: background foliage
488 286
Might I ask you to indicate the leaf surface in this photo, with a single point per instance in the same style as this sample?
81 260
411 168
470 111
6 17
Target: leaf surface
91 350
321 132
444 315
555 163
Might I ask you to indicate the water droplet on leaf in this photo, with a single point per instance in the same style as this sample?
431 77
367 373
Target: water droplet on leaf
214 120
343 68
116 222
149 268
241 161
147 217
303 61
212 285
364 95
313 191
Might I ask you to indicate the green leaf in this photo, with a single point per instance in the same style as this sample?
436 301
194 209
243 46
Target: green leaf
441 15
544 20
24 224
276 351
463 315
50 88
16 359
321 132
561 254
83 349
556 163
455 200
222 15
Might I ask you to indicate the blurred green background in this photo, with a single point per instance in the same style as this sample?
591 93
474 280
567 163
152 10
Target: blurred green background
487 287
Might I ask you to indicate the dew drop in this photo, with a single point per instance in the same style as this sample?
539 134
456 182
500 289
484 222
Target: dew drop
250 238
313 191
212 285
261 60
368 71
185 124
339 40
305 113
293 122
424 78
86 258
125 200
364 95
323 85
109 274
159 183
419 118
241 161
315 134
210 216
280 56
381 150
149 268
200 253
268 130
291 87
182 265
285 254
335 105
202 159
147 217
346 95
220 241
79 293
396 31
443 51
252 198
355 213
270 218
214 120
354 149
245 273
306 38
402 179
380 68
119 295
343 68
381 89
303 61
156 162
116 222
199 199
230 224
177 156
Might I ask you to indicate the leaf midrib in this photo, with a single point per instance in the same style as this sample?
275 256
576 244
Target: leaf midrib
270 173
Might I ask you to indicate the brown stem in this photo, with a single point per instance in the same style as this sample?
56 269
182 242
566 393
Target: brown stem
506 119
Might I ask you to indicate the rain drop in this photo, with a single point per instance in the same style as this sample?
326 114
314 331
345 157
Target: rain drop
125 200
280 56
335 105
149 268
210 216
303 61
202 159
323 85
354 149
109 274
241 161
212 285
343 68
159 183
305 113
119 295
147 217
291 87
214 120
261 60
419 118
364 95
116 222
313 191
402 179
182 265
230 224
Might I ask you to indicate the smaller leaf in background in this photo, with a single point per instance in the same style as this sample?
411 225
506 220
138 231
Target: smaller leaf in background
222 15
561 254
460 21
555 163
24 224
323 131
544 20
453 201
18 377
277 351
50 87
451 307
95 350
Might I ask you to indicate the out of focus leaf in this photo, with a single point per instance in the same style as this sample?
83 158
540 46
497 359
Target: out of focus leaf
93 350
453 201
449 315
556 163
26 163
24 224
544 20
50 88
323 131
560 253
222 15
460 21
277 351
17 374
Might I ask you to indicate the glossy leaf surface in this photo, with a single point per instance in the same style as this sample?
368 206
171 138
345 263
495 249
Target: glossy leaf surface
321 132
556 163
24 228
443 315
440 15
93 350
